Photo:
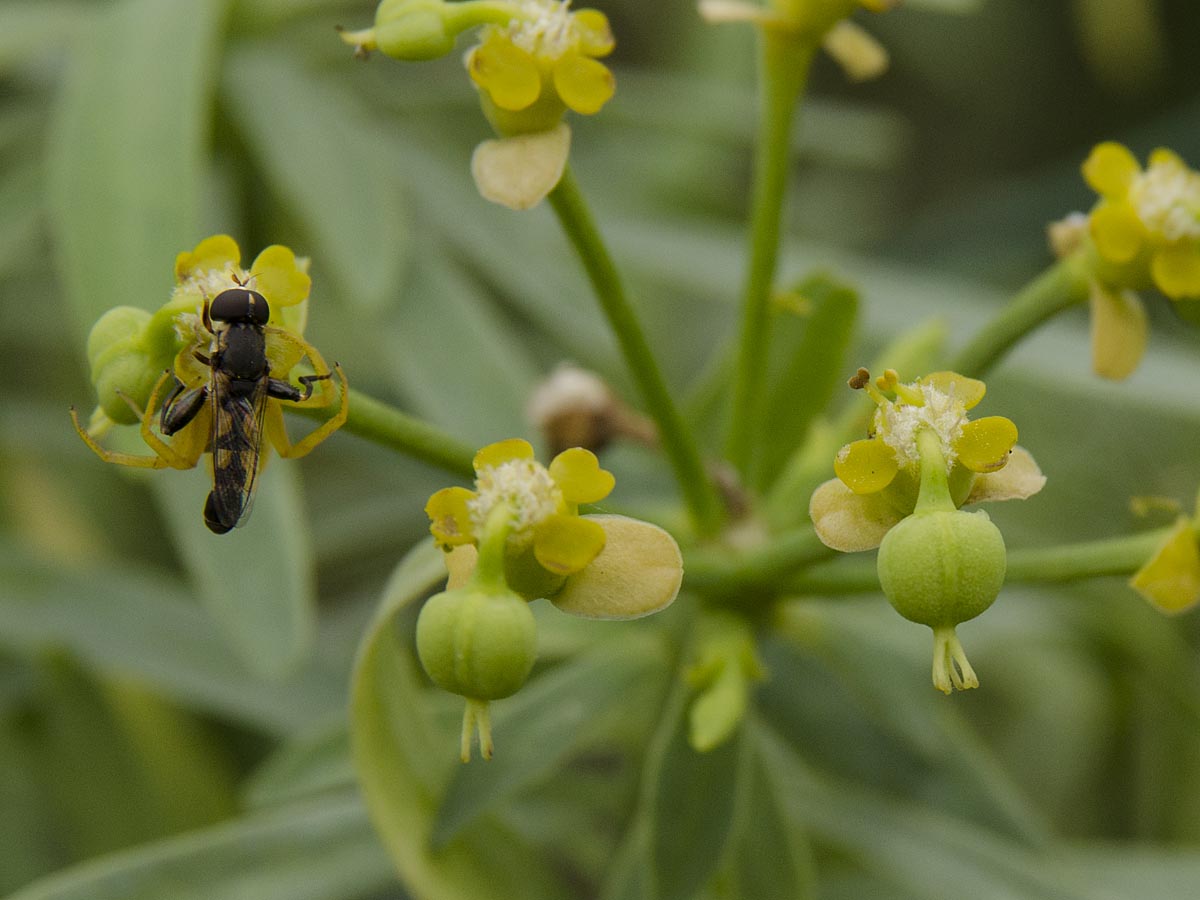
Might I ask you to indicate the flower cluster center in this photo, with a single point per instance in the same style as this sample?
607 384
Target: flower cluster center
525 486
898 423
1167 199
544 28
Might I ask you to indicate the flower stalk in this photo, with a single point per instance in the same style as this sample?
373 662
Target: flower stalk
785 59
1063 285
680 447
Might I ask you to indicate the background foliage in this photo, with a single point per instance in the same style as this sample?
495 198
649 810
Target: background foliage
173 706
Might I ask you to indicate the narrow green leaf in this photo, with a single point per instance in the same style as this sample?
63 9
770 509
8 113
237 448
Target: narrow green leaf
449 341
405 759
813 326
299 127
32 27
122 766
887 673
919 849
258 581
128 623
691 803
768 857
323 850
303 767
128 148
1118 871
30 842
553 717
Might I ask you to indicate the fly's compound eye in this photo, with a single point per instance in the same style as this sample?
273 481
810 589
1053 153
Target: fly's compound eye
240 305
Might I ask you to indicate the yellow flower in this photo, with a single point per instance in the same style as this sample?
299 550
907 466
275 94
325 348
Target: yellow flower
597 566
813 22
1170 579
1146 227
878 477
542 63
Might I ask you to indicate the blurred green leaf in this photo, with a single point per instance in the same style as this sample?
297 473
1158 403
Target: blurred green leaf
554 716
405 760
861 648
1119 871
323 850
691 802
328 166
257 581
21 218
449 341
127 154
302 767
32 27
768 857
121 766
128 623
916 848
808 350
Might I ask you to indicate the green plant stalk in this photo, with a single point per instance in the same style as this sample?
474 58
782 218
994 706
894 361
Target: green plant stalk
1068 562
1060 287
728 572
784 62
697 488
389 427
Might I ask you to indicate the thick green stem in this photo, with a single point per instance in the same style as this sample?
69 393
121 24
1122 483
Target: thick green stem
1058 288
728 572
784 63
1120 556
680 447
376 421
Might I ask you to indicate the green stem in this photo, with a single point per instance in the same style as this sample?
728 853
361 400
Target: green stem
784 63
1058 288
934 493
376 421
1068 562
699 492
729 571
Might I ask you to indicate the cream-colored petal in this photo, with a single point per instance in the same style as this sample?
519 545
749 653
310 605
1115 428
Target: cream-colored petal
847 521
856 51
738 11
1119 332
1019 479
638 572
518 172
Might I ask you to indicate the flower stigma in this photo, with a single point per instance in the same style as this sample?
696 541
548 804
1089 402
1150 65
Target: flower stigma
526 486
1167 198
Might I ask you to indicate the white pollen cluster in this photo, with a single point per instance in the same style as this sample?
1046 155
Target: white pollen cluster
544 28
1167 199
525 486
898 423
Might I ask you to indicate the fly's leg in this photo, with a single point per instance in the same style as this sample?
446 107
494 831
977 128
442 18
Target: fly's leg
275 427
170 455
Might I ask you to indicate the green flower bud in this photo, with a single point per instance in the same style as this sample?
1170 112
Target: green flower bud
478 642
413 30
119 362
940 568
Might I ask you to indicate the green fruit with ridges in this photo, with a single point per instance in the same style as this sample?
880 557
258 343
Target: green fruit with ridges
943 567
477 643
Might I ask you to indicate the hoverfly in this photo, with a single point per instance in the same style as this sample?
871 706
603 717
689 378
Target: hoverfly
234 402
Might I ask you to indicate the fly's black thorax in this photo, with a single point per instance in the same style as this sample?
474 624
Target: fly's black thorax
242 353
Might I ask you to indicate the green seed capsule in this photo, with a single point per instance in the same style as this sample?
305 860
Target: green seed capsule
119 362
477 643
941 568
